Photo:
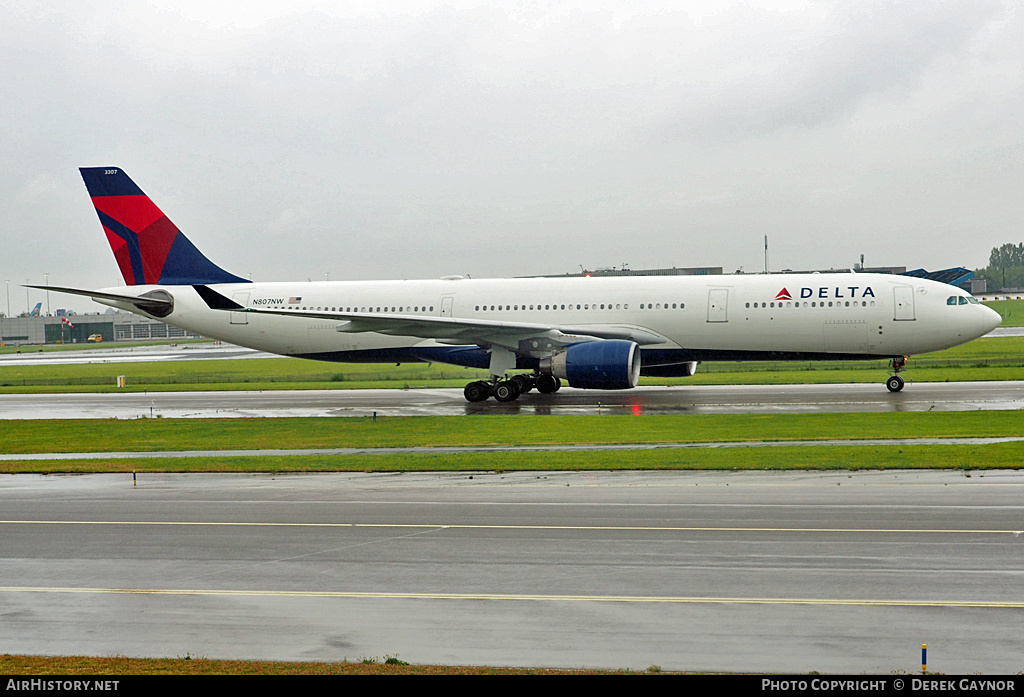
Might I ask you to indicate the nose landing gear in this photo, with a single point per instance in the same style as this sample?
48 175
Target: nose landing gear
895 382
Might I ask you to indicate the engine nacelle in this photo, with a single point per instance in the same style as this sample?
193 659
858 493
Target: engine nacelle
671 370
611 364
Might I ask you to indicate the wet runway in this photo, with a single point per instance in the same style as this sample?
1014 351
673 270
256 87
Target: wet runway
729 571
697 399
112 353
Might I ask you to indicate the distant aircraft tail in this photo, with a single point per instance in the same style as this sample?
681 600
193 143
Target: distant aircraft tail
148 247
36 310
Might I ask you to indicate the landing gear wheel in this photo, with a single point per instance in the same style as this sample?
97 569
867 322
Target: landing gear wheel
523 382
506 391
547 384
895 382
477 391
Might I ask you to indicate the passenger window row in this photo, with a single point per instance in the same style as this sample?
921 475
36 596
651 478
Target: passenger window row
578 306
813 303
399 309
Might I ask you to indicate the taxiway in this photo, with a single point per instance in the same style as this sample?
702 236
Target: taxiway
760 572
695 399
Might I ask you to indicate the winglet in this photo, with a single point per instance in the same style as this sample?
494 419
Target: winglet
215 300
148 247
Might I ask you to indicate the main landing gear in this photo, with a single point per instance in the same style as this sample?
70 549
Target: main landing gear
508 390
895 382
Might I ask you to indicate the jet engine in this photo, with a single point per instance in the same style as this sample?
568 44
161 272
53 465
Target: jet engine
611 364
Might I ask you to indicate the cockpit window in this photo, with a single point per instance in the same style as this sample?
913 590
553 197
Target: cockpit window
951 300
963 300
972 300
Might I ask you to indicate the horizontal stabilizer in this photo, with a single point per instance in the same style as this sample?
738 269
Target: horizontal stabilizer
156 303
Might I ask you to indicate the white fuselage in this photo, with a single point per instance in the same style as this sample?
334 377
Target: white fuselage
723 317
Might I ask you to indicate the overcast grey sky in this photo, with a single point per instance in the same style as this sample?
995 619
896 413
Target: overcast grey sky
295 139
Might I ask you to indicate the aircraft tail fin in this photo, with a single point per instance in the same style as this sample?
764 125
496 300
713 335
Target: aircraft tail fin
148 247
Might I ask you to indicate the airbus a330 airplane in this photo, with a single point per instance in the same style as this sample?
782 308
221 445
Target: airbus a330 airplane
596 333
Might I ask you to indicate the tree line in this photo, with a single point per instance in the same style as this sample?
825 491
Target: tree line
1005 267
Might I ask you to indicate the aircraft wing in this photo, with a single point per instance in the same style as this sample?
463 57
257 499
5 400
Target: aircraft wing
451 330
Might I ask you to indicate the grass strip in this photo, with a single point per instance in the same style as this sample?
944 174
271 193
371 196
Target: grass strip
1012 311
187 665
142 435
814 458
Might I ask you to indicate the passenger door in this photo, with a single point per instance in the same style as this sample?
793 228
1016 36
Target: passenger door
718 305
903 303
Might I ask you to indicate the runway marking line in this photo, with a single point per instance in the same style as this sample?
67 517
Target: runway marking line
458 526
355 595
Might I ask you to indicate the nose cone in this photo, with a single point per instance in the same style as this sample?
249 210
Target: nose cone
988 319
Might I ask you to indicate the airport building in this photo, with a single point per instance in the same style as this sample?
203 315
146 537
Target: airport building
78 329
957 276
626 271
